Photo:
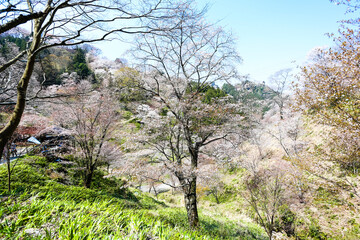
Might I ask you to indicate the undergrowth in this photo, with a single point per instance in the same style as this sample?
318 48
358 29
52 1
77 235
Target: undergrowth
43 207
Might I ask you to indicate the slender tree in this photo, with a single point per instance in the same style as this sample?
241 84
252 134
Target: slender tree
265 197
280 81
91 120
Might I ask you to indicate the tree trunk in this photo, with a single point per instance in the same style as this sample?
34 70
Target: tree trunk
22 86
8 168
14 121
88 179
191 203
189 183
214 193
88 176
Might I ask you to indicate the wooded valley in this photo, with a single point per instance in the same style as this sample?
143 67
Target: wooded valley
170 141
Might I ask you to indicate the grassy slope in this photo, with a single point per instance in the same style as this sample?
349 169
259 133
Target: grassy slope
41 206
232 207
327 214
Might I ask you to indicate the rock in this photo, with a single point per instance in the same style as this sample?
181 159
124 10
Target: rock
33 231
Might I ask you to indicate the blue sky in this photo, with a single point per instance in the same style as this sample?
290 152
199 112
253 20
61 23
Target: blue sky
271 34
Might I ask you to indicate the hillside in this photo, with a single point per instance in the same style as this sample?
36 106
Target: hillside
43 188
42 207
157 144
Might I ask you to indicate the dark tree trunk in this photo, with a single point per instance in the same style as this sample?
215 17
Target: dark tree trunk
189 183
191 203
281 113
214 193
22 86
88 180
88 177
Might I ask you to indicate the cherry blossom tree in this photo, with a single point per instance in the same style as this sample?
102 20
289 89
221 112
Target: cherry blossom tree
329 89
180 66
266 193
352 7
210 177
328 93
91 120
280 81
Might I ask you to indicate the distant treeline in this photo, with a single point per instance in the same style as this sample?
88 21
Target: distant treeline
53 62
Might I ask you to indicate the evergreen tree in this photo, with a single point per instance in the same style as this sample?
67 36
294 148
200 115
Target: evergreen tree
79 64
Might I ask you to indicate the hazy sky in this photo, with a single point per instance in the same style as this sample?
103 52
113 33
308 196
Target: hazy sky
271 34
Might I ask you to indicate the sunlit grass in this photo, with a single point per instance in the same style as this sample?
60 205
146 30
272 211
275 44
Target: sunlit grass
41 208
40 216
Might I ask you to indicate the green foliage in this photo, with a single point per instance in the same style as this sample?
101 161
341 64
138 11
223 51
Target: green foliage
79 64
82 70
252 95
64 212
127 82
327 196
212 93
208 93
164 111
311 231
231 90
50 65
20 42
136 122
24 176
287 220
72 213
315 231
127 115
265 109
227 194
253 92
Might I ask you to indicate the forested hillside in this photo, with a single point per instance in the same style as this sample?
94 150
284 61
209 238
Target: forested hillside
170 141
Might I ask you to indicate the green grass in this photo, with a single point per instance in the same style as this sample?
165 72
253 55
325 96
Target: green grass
60 212
44 207
46 217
